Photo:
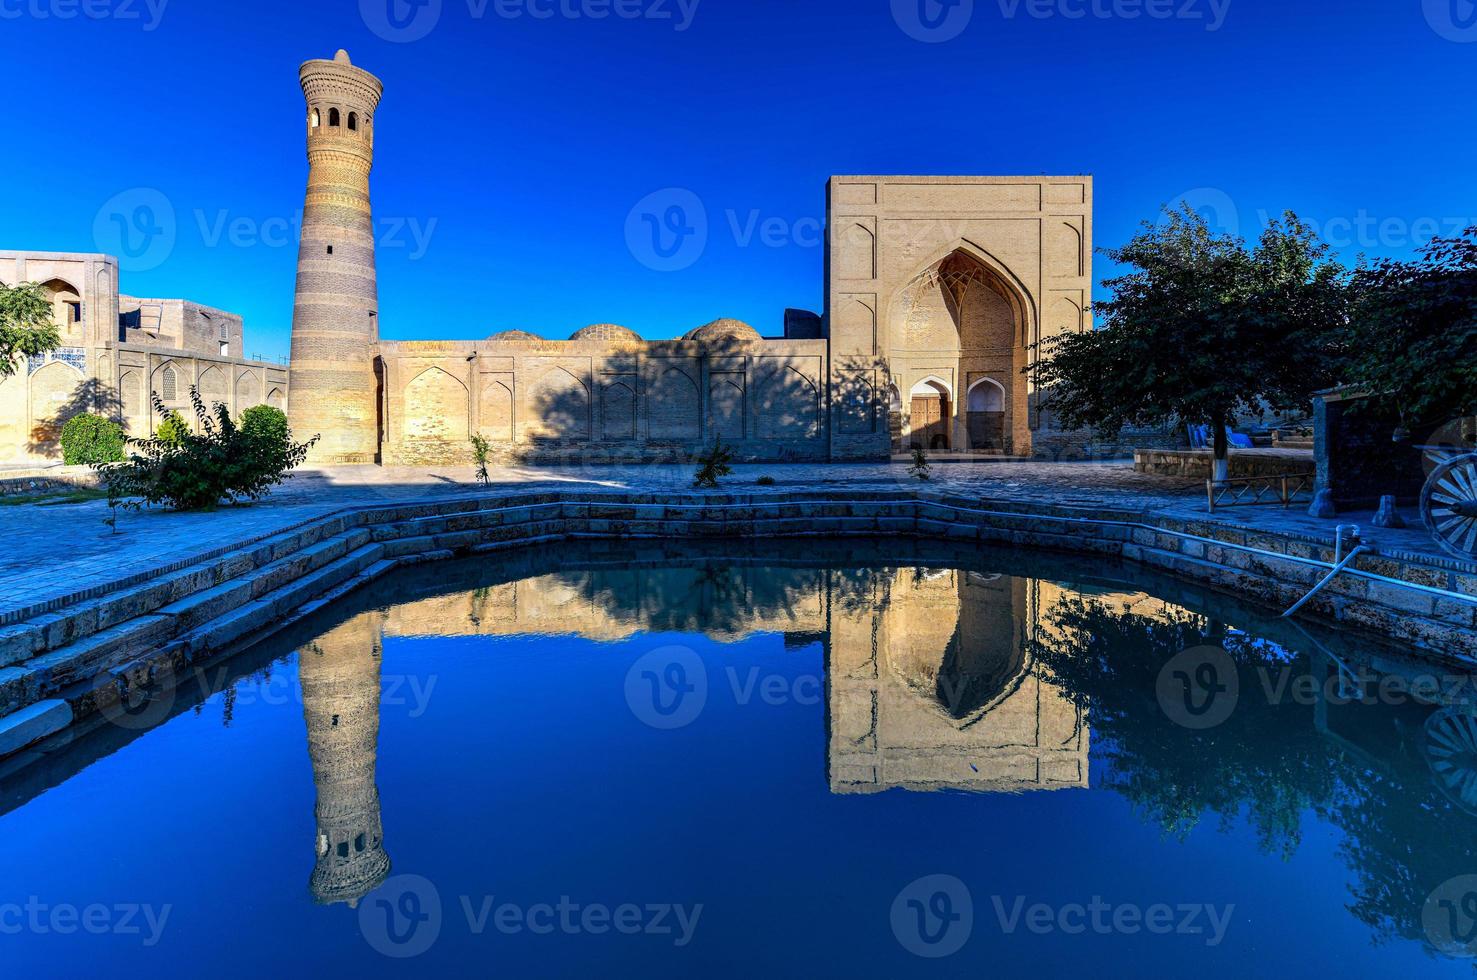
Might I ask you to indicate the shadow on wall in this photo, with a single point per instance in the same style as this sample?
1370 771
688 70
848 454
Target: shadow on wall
89 396
773 411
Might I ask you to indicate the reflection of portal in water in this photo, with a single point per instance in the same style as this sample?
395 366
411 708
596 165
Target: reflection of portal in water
340 674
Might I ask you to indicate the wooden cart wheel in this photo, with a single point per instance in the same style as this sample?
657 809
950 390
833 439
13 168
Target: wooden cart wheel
1450 748
1449 505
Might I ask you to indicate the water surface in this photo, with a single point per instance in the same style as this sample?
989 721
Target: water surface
818 760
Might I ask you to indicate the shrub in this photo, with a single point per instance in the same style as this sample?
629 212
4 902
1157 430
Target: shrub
88 439
765 481
222 461
172 429
480 450
714 465
265 422
921 468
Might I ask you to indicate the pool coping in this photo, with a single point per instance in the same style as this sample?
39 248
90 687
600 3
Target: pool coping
68 657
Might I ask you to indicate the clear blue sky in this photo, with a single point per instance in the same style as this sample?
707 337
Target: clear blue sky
517 147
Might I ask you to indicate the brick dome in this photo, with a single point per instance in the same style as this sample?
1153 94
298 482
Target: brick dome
724 331
606 332
515 337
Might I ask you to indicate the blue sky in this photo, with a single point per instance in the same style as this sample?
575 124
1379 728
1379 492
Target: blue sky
517 136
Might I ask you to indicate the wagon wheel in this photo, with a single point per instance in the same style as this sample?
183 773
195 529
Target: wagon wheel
1449 505
1450 747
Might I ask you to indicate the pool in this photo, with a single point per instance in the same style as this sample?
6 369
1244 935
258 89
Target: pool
817 759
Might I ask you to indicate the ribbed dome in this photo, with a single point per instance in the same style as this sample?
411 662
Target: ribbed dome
724 330
515 337
606 332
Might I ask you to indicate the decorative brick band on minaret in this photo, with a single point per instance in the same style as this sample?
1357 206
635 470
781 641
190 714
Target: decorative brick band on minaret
335 312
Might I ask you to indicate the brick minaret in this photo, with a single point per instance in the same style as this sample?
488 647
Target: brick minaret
336 308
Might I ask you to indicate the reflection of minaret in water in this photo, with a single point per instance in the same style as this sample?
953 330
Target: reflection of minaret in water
340 674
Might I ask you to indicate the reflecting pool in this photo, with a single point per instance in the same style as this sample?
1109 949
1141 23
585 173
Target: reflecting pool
811 760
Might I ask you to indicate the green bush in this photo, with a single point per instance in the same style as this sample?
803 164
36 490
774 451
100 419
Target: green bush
173 429
88 439
714 466
222 462
765 481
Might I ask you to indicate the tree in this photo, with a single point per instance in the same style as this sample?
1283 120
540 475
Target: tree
88 439
222 461
1201 329
27 328
714 466
1413 335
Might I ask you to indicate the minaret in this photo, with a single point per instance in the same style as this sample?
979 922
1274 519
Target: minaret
336 308
340 677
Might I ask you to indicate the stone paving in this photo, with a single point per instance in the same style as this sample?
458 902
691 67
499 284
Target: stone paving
55 550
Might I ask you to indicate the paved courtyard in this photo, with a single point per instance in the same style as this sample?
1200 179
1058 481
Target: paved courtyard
60 549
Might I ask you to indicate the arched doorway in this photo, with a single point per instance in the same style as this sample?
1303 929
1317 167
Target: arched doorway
985 405
930 415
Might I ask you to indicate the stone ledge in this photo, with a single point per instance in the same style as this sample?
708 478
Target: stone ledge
243 593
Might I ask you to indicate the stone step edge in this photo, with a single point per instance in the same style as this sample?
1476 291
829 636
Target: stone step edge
244 622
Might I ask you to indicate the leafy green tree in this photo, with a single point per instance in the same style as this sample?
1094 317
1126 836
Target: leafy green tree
714 465
1413 335
220 462
1202 328
173 428
27 327
88 439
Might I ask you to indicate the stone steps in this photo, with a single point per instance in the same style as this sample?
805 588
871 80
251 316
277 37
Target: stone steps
84 654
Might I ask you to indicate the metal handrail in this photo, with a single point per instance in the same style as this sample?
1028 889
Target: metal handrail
1261 490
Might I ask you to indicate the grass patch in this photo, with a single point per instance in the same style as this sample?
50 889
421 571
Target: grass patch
81 495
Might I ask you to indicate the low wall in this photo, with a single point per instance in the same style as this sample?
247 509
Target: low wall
69 660
47 480
1199 464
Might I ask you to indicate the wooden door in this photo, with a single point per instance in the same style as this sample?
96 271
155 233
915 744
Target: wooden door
931 422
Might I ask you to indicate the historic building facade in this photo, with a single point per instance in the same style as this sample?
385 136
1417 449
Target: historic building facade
937 288
937 291
115 350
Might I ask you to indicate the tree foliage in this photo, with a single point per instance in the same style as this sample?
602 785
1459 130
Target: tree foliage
89 439
199 470
1202 328
27 327
714 465
1413 335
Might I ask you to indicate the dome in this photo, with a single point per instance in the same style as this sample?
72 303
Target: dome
724 331
606 332
515 337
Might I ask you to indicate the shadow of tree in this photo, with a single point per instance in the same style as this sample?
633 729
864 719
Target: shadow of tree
90 395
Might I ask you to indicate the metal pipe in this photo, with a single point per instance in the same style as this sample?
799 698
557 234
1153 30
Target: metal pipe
1359 550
